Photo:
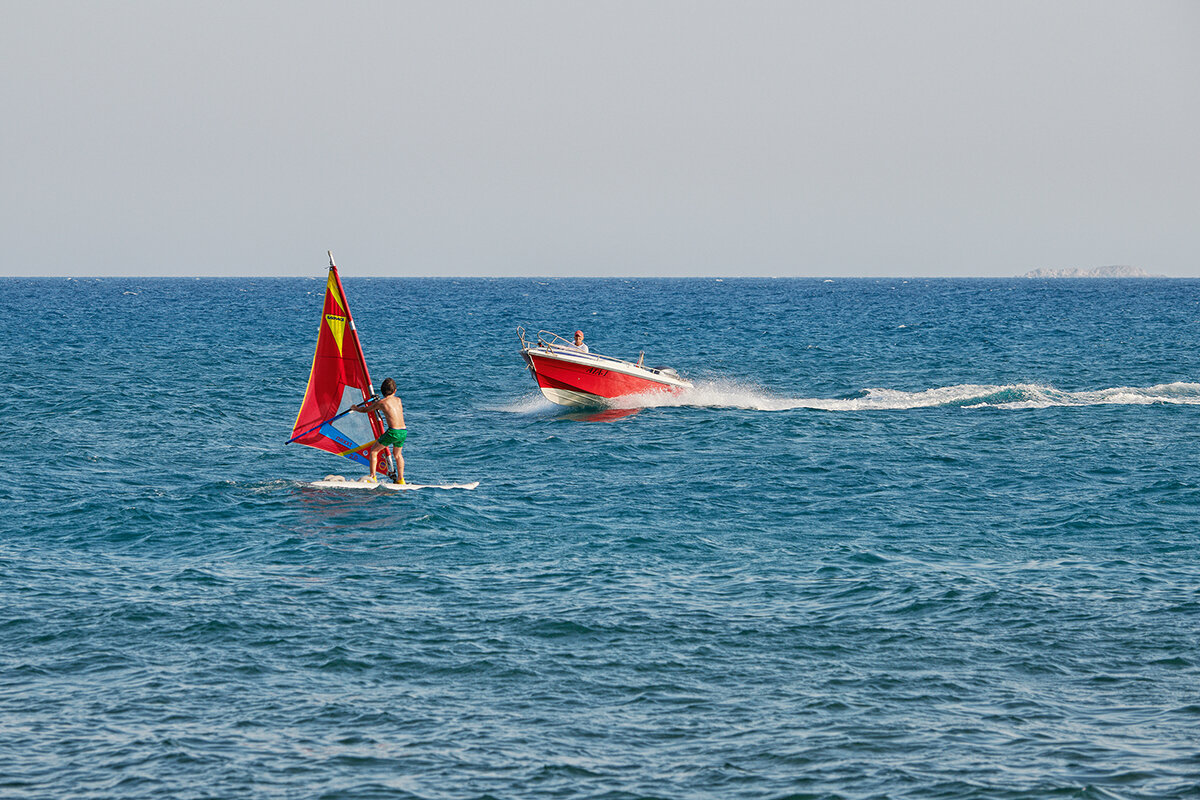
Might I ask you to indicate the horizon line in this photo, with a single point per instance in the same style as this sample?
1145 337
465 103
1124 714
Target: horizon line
101 276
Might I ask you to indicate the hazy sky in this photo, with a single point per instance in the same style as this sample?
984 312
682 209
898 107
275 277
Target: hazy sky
599 138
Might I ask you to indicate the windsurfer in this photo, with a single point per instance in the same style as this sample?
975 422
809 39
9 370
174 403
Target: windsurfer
393 412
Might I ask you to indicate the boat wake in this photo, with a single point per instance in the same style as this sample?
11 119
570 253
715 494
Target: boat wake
724 394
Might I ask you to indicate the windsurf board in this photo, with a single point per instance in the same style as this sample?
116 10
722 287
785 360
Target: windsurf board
338 482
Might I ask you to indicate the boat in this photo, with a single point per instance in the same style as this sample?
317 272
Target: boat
569 376
339 380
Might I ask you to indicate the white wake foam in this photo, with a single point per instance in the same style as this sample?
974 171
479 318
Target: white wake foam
725 394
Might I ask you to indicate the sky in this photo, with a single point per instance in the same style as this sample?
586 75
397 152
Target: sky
691 138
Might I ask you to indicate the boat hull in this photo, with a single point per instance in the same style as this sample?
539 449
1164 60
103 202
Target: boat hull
583 381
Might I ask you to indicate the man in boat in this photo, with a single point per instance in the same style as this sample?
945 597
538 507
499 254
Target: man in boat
579 345
394 436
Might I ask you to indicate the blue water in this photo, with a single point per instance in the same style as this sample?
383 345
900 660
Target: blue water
906 539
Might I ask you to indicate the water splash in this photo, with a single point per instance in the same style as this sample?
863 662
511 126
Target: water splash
530 404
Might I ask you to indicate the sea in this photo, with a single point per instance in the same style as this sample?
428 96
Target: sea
904 539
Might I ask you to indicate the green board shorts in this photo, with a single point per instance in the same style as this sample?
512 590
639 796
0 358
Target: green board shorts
394 437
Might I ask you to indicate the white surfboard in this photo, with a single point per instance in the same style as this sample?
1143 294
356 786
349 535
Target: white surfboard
338 482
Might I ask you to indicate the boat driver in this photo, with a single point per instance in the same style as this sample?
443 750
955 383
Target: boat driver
579 345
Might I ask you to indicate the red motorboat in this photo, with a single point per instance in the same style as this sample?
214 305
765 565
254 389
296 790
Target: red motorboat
570 377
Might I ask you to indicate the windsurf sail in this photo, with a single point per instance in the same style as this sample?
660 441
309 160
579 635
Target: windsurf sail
339 380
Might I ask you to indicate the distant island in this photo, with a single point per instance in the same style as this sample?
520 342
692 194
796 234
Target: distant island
1117 271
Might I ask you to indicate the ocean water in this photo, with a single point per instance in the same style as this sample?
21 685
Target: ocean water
905 539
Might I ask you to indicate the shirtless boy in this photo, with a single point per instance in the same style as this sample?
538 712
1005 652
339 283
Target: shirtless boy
393 412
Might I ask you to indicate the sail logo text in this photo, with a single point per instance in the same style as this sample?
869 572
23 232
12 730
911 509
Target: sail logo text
337 327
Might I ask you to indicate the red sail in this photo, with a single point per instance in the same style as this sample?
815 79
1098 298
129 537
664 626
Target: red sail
339 379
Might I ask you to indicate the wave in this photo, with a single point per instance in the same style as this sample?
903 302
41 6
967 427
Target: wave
726 394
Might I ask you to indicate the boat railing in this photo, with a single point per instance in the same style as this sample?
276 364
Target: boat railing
549 340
